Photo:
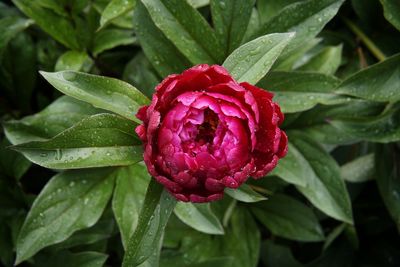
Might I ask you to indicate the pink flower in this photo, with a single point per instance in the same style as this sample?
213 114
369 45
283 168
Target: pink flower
203 132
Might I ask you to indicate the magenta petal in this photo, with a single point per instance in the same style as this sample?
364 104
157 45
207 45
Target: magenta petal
197 199
230 182
204 132
214 185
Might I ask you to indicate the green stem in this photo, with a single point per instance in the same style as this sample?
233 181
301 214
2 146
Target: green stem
365 39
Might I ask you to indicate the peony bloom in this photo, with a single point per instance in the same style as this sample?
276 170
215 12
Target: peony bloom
203 132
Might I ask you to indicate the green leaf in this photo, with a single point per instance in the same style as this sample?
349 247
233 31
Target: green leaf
324 187
242 239
68 259
128 198
186 28
359 170
108 39
140 73
391 10
379 82
336 232
299 91
145 241
19 60
252 26
305 18
230 20
287 217
383 128
73 60
198 3
386 161
97 141
57 26
12 163
58 116
250 62
70 201
115 9
316 124
9 28
327 61
102 92
278 255
6 245
153 40
293 168
295 58
103 229
245 194
199 217
268 9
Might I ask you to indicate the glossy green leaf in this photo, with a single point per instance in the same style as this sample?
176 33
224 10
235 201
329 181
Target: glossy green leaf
145 241
383 128
251 61
295 58
140 73
245 194
60 28
60 115
327 61
9 28
128 198
69 202
56 6
268 9
293 168
116 9
102 230
108 39
153 41
97 141
199 217
230 19
102 92
359 170
379 82
186 28
305 18
387 166
316 122
198 3
68 259
253 26
287 217
242 239
324 187
298 91
73 60
391 10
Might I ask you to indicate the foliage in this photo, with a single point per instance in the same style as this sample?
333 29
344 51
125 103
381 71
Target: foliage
333 65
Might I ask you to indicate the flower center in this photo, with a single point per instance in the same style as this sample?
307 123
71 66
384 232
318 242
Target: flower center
208 127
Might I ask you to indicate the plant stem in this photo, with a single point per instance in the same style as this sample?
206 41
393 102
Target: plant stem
365 39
